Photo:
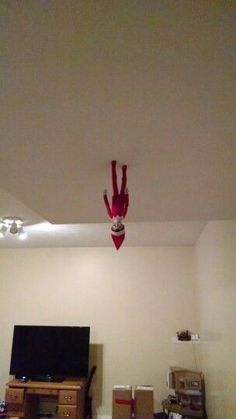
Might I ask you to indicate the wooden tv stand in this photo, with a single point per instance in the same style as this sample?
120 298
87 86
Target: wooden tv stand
23 398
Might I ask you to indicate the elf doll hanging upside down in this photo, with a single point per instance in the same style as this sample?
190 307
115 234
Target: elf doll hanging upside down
119 206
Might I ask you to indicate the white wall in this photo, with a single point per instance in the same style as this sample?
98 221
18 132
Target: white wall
134 300
216 314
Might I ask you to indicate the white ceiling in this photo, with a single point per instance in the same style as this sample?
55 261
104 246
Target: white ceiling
148 83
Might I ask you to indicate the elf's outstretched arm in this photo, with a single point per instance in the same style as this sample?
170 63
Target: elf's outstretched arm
107 204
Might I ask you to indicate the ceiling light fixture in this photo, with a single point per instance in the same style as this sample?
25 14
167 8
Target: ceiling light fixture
14 226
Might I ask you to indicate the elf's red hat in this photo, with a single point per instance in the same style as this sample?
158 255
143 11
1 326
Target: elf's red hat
118 238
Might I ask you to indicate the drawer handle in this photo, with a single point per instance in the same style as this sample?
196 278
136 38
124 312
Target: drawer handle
67 413
67 397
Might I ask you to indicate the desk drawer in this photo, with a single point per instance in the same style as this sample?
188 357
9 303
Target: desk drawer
67 397
42 391
15 410
66 411
14 395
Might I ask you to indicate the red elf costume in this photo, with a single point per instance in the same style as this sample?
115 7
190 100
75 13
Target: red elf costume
119 207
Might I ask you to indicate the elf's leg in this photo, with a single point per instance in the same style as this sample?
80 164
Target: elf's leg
114 178
124 180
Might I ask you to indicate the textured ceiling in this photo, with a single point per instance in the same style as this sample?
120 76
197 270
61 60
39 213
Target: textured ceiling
148 83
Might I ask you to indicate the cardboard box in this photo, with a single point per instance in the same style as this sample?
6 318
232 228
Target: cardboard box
122 402
143 402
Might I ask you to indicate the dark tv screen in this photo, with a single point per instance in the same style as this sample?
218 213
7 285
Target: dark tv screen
50 351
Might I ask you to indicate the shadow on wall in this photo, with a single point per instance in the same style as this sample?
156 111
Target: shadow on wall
96 358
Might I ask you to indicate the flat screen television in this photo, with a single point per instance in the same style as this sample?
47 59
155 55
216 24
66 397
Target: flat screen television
50 353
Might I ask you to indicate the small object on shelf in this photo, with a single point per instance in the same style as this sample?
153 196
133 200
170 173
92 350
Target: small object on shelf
195 337
184 335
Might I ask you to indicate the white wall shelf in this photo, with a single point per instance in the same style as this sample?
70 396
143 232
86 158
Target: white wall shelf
175 340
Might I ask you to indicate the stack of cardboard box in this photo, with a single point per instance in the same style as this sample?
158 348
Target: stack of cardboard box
137 404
